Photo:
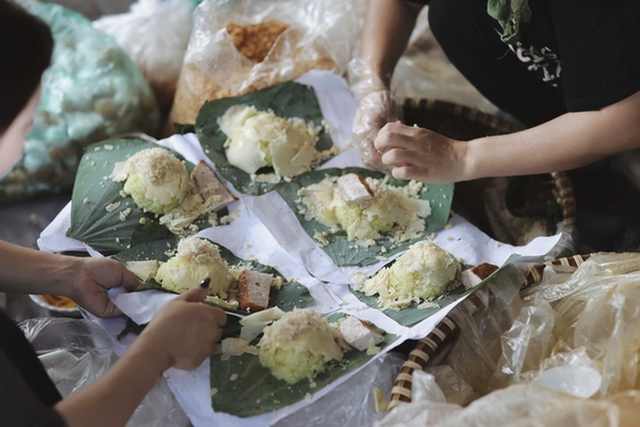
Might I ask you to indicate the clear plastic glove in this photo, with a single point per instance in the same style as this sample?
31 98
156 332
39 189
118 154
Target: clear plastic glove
375 110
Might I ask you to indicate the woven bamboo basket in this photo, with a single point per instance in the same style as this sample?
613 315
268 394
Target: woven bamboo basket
433 345
464 123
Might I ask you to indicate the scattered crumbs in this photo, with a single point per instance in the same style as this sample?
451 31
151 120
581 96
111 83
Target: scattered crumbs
383 249
112 206
381 258
87 158
313 384
321 238
415 125
226 219
258 401
104 178
431 236
247 245
194 228
498 244
123 215
168 244
307 396
123 194
129 246
117 240
449 238
33 219
448 225
233 377
213 392
85 201
250 257
102 184
143 220
93 163
445 196
440 204
108 147
96 149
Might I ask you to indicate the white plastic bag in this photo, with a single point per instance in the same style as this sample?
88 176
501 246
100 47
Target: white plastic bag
155 34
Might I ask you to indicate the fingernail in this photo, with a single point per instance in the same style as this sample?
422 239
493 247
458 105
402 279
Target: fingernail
205 283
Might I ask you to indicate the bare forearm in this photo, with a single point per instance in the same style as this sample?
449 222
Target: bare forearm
387 29
569 141
27 270
111 400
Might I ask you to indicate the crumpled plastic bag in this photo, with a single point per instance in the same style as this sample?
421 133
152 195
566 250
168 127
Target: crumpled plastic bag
302 35
574 347
155 34
91 92
352 403
77 352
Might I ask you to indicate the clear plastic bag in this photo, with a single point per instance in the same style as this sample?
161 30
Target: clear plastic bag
77 352
91 92
352 403
155 34
296 36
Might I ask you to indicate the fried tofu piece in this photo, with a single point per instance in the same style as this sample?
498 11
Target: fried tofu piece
354 189
253 290
473 277
210 187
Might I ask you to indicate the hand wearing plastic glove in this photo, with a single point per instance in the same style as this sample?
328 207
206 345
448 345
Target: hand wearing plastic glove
420 154
375 110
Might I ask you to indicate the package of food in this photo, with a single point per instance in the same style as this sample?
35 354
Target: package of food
155 34
245 45
92 91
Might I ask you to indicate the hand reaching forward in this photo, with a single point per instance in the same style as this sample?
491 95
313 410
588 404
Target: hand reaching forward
183 332
421 154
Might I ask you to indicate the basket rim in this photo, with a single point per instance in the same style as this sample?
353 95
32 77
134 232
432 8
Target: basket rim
428 347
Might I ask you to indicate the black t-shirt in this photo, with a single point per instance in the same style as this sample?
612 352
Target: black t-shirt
26 392
586 51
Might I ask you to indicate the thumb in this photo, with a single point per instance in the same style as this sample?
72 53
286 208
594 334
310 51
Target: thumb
129 280
197 293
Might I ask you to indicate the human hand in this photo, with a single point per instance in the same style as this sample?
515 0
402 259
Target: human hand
93 278
183 332
421 154
374 111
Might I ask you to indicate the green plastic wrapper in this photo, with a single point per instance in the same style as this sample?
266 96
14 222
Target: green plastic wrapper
91 92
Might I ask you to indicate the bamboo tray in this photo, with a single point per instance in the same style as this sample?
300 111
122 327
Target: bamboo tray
433 345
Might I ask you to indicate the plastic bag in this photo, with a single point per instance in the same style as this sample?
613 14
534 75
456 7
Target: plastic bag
284 38
351 403
155 34
481 329
77 352
91 92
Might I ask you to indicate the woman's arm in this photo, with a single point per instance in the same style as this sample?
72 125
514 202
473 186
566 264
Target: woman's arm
181 335
386 32
387 28
566 142
85 280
